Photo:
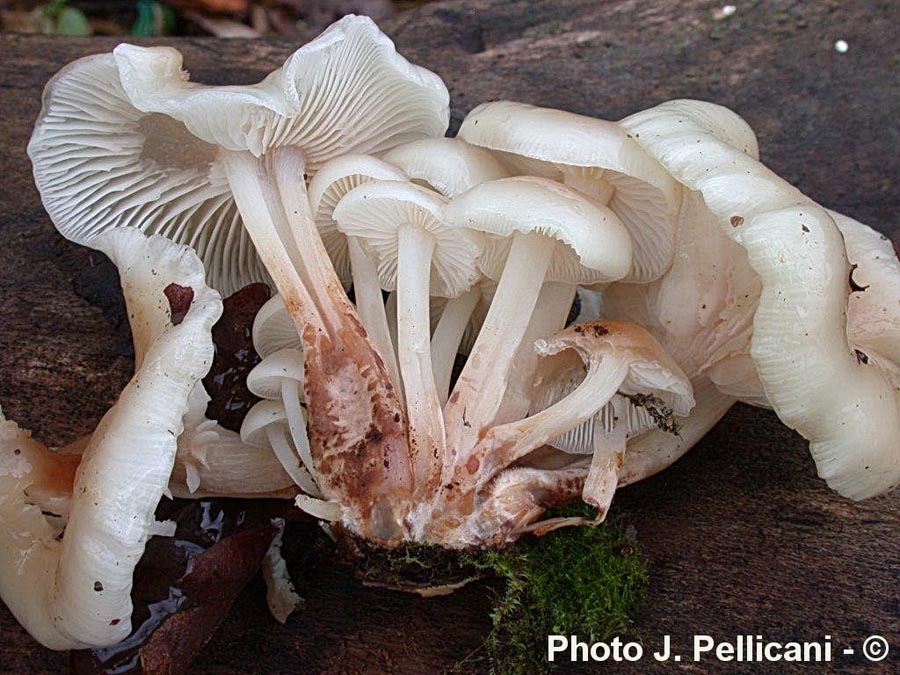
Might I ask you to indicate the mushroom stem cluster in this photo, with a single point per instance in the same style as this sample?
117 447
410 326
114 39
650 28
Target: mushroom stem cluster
453 400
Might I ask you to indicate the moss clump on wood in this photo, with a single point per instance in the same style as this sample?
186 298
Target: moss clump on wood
583 581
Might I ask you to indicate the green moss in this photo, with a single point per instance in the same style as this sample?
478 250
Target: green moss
584 581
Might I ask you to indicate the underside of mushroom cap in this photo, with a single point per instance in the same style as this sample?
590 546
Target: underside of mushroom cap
701 309
125 139
374 211
652 373
335 179
846 403
347 91
597 246
595 156
100 163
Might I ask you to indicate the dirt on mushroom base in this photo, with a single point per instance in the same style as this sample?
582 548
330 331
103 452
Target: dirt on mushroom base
587 581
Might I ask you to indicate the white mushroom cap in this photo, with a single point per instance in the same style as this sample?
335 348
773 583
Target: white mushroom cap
258 418
374 212
595 156
711 150
844 401
652 373
873 309
347 91
335 179
126 139
596 245
265 380
273 328
448 165
76 592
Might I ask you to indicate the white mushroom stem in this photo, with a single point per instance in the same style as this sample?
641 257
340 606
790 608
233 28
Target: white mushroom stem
266 223
290 396
426 423
370 307
390 310
549 317
506 443
483 381
448 335
284 451
603 476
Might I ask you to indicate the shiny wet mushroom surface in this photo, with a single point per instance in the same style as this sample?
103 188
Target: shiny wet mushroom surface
786 547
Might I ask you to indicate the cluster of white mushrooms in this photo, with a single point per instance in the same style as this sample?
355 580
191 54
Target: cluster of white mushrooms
703 279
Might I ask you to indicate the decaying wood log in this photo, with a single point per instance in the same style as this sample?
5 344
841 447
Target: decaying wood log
742 536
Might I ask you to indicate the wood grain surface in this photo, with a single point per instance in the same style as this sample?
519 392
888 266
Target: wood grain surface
741 535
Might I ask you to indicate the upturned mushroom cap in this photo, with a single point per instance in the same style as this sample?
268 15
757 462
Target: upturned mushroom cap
843 399
126 139
265 380
374 212
595 156
654 381
76 592
273 328
335 179
595 245
448 165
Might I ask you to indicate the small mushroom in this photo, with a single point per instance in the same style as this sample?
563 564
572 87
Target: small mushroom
537 231
619 358
402 225
266 425
594 156
279 376
335 179
656 394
